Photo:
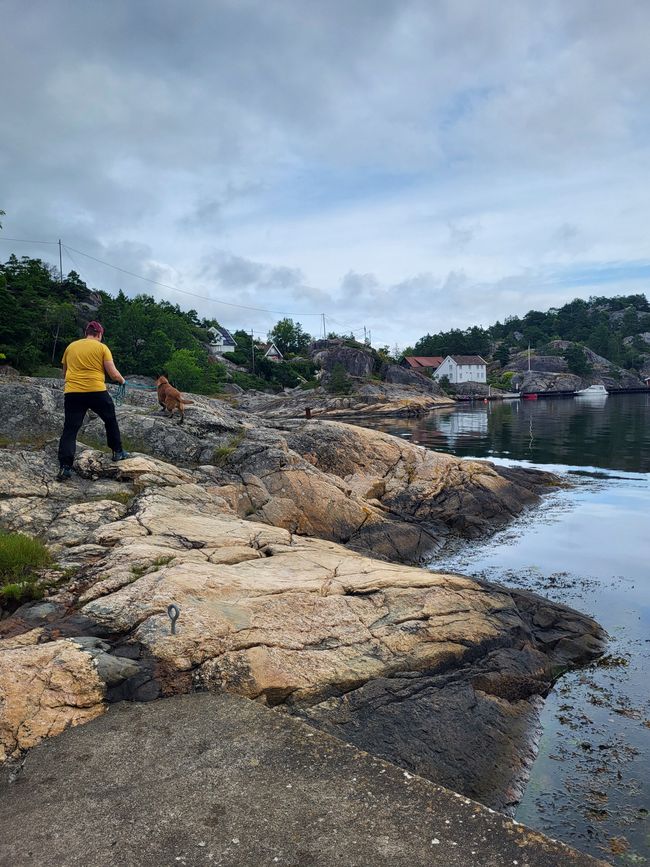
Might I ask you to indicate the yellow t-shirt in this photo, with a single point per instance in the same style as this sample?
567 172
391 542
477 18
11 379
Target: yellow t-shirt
84 360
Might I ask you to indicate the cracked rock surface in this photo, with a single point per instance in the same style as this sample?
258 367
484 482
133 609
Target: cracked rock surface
439 673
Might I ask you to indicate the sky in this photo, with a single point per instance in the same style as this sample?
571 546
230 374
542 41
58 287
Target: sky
405 166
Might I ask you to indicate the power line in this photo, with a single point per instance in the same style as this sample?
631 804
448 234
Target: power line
186 291
70 250
71 258
26 241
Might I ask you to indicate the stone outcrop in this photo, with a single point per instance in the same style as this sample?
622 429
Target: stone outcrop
398 375
369 490
281 618
538 363
643 337
284 556
367 400
533 382
328 353
476 389
551 372
44 688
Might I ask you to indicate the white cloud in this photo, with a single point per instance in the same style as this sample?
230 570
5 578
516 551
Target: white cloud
401 164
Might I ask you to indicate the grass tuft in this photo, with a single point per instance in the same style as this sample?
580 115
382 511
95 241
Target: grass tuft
123 497
221 455
21 559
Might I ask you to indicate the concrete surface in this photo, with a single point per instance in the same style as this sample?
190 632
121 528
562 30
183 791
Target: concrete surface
216 780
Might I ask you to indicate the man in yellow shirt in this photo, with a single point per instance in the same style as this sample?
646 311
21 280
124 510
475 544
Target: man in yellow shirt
84 364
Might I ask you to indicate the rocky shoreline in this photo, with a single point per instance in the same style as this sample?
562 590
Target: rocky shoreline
368 400
284 546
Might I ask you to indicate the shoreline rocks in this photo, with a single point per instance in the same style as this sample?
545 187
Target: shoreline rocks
367 400
285 557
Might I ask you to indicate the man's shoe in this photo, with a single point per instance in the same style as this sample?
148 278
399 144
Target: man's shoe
64 473
121 456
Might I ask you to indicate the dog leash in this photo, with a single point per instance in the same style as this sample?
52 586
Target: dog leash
120 392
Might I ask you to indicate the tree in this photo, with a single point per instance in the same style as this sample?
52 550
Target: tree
502 355
339 382
289 337
183 370
599 339
2 213
577 360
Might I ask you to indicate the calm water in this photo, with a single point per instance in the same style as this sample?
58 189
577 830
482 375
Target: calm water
588 547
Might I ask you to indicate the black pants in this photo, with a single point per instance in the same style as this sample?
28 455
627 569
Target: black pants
76 404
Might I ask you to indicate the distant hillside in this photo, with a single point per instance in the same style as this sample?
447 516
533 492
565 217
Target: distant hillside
40 315
617 329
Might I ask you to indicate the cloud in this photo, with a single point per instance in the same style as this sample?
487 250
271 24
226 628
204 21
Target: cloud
399 164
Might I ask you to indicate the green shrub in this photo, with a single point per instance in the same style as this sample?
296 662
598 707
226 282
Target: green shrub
238 357
21 558
339 381
248 381
47 372
503 382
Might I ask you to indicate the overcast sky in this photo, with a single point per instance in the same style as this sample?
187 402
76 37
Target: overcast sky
403 165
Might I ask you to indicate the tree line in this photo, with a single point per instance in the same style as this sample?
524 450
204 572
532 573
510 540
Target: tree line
601 323
40 313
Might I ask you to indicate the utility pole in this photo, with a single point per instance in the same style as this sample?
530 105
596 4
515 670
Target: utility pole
365 336
324 331
58 324
252 351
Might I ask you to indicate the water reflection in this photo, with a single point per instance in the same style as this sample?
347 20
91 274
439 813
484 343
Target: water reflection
588 547
612 433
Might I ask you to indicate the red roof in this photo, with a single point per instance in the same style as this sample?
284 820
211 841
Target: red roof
416 361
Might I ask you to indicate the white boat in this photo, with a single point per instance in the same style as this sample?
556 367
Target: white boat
592 391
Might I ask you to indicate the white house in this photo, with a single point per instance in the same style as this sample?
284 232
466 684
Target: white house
221 340
462 368
272 352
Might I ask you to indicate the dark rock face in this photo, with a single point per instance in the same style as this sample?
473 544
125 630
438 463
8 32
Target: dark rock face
216 779
468 727
533 382
356 362
402 376
475 388
545 363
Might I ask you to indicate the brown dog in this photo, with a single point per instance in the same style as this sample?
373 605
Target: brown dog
170 398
